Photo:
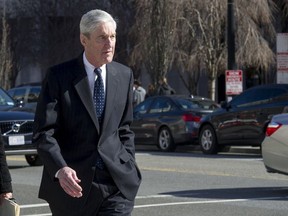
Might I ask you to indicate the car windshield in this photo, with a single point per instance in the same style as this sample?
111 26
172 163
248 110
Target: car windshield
5 99
187 104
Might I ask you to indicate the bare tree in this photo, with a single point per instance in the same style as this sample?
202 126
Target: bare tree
204 24
186 35
197 38
282 14
155 33
255 34
7 60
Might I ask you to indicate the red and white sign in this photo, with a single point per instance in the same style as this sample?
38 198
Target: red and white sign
282 62
234 82
282 58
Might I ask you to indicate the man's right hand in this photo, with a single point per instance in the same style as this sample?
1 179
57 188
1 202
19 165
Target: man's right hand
69 182
3 196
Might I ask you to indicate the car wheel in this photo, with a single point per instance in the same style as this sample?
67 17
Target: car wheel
208 141
33 160
165 140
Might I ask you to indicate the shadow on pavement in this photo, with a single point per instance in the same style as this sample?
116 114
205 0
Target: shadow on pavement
269 193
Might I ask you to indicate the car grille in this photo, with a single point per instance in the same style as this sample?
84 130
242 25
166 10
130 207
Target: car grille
16 127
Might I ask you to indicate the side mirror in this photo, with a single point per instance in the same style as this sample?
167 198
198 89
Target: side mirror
223 104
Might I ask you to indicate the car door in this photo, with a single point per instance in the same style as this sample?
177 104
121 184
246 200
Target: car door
268 103
254 114
226 123
146 123
250 115
138 125
237 114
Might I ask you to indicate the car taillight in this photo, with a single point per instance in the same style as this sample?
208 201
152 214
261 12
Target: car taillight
190 117
272 127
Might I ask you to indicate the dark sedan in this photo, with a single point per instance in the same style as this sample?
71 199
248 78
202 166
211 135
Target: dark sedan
243 121
168 121
16 127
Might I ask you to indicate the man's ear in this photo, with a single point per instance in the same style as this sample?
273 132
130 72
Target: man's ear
83 39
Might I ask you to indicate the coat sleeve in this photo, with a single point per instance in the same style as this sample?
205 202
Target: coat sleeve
5 177
125 133
46 125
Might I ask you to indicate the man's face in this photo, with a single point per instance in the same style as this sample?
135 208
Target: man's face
100 46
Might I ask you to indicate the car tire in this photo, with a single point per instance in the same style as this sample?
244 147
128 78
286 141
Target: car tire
208 140
33 160
165 140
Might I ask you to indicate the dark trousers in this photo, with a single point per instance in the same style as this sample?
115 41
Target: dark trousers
104 199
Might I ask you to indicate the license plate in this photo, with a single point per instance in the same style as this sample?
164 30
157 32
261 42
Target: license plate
16 140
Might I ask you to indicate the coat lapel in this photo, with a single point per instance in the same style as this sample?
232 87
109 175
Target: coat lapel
111 90
82 87
81 84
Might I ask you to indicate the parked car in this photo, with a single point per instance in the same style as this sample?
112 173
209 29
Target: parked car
244 119
26 95
275 145
16 127
168 121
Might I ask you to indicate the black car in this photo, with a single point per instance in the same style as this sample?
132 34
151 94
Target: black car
16 127
244 119
168 121
26 95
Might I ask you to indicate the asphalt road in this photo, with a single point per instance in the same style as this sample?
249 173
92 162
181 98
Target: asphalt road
184 183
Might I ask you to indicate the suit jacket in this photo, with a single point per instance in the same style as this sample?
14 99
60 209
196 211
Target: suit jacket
5 177
67 131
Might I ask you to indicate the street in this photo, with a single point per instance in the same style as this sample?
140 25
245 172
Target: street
182 183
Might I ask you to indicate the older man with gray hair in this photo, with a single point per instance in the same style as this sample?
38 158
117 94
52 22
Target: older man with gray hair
82 128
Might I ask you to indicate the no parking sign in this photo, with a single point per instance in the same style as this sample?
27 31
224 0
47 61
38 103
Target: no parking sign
234 82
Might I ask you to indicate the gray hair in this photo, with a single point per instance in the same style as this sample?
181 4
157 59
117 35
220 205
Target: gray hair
92 19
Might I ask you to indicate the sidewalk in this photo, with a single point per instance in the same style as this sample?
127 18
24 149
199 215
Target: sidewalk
245 149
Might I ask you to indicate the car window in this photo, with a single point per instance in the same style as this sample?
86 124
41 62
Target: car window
277 92
161 106
256 97
143 107
33 95
5 99
19 94
187 104
11 92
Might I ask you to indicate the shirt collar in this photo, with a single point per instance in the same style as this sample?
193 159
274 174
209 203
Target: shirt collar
90 68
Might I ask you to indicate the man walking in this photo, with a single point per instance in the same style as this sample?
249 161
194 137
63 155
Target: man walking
82 128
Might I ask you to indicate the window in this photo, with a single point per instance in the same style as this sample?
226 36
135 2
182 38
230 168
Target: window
33 95
19 94
256 97
143 107
161 106
5 99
